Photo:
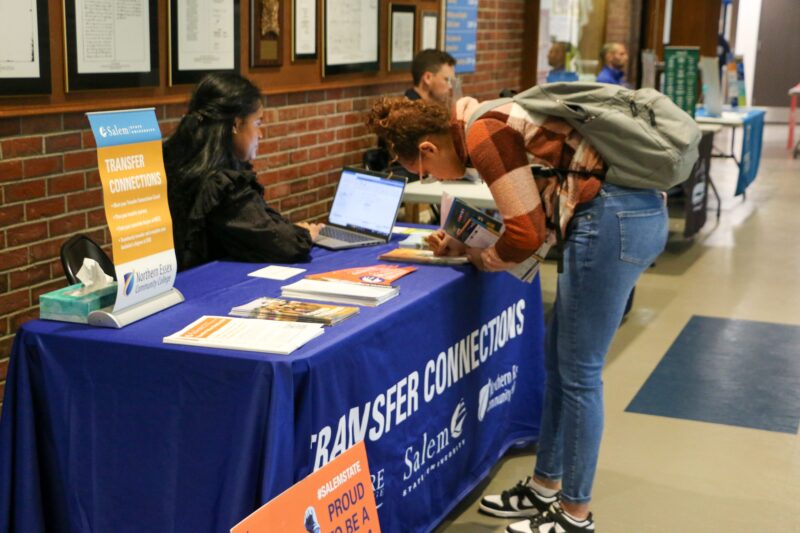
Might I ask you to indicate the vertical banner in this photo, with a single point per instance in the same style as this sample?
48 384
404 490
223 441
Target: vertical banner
337 498
461 31
680 76
753 126
131 169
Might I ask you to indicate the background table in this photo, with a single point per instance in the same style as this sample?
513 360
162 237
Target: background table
751 120
112 430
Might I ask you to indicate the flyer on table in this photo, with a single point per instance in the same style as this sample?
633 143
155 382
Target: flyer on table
131 167
337 498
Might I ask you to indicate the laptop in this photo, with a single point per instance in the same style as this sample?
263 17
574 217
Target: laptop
364 210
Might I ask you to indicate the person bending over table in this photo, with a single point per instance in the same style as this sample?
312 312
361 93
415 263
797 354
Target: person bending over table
217 204
600 268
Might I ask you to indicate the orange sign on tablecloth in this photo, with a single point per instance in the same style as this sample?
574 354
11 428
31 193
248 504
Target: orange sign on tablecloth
337 498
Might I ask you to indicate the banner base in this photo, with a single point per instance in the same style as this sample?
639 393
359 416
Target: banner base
107 318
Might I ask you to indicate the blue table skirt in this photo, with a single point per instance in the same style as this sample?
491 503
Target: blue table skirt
112 430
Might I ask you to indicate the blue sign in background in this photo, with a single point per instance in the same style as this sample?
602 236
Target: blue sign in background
113 128
461 33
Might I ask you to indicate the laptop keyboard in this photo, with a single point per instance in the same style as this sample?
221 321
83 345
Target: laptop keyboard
346 236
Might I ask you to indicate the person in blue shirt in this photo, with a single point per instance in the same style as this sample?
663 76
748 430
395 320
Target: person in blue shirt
615 58
557 59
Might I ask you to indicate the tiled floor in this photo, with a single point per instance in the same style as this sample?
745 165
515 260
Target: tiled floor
663 473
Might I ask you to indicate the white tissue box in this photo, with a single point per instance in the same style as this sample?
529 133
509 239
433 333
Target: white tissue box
73 304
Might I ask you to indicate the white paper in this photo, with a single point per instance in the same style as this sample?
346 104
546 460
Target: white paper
205 35
253 335
92 276
430 31
112 36
712 94
276 272
402 37
351 32
305 27
19 39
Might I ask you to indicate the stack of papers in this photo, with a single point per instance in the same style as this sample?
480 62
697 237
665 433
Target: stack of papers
294 311
269 336
371 275
339 292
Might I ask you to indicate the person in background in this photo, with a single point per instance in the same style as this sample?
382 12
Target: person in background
557 59
614 57
433 73
216 202
600 268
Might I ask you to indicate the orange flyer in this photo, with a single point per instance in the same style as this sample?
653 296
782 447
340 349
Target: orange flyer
337 498
370 275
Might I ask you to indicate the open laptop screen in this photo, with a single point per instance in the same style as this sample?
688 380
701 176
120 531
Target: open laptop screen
365 202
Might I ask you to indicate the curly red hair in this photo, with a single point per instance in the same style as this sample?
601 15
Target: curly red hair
402 123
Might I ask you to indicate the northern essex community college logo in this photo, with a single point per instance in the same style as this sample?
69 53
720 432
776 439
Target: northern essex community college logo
128 280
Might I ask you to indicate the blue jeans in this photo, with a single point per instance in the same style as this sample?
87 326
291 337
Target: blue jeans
610 242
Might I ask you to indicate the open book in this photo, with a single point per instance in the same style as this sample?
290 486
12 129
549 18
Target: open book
477 229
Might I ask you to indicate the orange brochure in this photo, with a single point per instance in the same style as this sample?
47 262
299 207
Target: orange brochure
370 275
337 498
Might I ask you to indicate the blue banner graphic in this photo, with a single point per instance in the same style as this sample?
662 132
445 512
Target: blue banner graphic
113 128
461 33
753 126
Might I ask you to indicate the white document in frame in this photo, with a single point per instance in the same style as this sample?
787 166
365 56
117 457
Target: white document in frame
205 35
351 32
305 27
19 39
430 31
112 36
402 37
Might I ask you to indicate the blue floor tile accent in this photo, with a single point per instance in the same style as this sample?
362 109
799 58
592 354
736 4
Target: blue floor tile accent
733 372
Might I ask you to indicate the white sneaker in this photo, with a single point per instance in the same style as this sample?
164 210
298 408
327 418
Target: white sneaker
520 501
553 520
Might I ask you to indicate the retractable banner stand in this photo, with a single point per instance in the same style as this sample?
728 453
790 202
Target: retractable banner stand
338 498
134 182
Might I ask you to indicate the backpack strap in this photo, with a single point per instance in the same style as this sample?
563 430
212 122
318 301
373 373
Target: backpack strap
484 108
561 175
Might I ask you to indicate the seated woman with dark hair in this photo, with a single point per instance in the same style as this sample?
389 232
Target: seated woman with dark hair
217 204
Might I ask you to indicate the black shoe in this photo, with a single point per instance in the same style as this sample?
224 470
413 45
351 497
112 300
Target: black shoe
518 502
552 520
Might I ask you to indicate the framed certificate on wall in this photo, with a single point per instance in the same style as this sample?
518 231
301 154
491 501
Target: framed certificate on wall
429 38
401 36
204 37
304 29
110 43
24 48
351 36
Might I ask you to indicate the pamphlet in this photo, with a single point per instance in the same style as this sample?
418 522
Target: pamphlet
294 311
477 229
412 255
244 334
370 275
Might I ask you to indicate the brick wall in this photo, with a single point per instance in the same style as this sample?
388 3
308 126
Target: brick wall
50 187
623 24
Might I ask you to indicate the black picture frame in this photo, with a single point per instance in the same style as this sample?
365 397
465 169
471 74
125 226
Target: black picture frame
369 66
42 83
116 80
295 55
179 77
402 8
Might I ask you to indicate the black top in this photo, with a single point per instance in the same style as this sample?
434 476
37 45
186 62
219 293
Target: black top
224 216
412 94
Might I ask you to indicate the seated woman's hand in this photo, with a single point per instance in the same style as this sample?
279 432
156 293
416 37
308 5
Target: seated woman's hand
313 229
443 244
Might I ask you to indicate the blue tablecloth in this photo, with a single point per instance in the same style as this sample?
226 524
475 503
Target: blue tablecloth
112 430
750 155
